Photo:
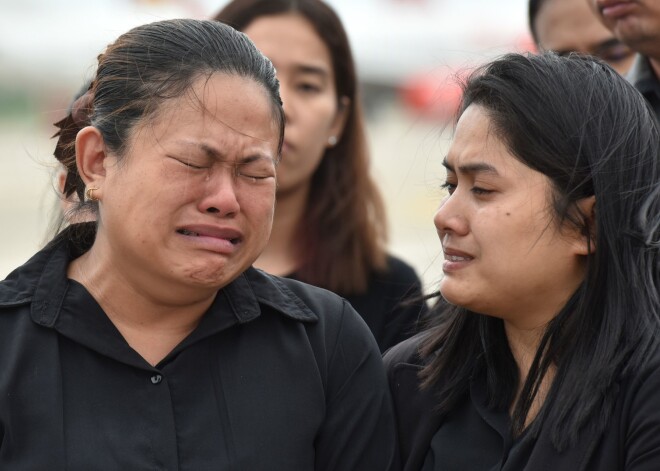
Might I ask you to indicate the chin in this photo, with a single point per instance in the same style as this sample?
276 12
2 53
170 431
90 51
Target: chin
458 297
212 275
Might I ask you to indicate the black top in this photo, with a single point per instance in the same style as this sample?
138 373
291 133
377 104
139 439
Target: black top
490 446
642 76
278 375
392 305
473 437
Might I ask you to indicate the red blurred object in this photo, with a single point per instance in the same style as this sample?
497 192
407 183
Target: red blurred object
433 95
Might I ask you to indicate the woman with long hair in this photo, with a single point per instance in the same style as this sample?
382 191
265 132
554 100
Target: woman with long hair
330 225
544 353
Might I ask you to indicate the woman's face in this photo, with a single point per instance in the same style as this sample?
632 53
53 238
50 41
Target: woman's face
504 255
567 26
307 85
192 199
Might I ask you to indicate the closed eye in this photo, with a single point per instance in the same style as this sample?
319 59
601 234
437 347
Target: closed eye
480 191
253 178
189 164
450 187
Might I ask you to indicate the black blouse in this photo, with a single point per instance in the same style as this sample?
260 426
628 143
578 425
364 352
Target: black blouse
476 438
490 445
278 375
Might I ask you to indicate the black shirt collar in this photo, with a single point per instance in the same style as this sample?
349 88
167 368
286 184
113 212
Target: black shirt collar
43 282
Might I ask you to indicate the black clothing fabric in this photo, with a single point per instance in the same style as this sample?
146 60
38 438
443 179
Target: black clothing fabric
476 438
278 375
642 76
392 305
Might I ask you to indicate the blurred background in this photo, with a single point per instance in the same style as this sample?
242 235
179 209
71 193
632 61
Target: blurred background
409 55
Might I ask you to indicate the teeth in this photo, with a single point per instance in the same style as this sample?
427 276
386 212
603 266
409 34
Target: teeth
187 232
456 258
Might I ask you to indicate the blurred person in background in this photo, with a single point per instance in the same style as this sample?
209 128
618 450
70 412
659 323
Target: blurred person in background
545 353
566 26
145 340
637 23
330 225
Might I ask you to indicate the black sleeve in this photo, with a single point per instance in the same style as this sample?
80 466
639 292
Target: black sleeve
643 435
359 431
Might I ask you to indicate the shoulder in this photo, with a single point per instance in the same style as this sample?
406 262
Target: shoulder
405 354
309 304
293 298
21 284
640 420
643 386
398 270
397 280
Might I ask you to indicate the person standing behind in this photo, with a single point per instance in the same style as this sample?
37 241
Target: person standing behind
330 225
637 23
566 26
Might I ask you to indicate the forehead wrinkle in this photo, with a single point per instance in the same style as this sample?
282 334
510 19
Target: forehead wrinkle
231 128
202 98
472 168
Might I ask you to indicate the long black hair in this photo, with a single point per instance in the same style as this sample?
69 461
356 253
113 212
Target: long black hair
592 134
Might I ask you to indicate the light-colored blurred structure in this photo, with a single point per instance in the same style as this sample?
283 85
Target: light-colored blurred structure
404 49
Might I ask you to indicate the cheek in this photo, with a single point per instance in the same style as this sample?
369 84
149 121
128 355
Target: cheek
321 117
259 205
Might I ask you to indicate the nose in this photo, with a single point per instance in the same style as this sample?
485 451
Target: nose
220 196
451 217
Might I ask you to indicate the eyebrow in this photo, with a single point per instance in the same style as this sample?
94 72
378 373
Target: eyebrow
312 69
476 167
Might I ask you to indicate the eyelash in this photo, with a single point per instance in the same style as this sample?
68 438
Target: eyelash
308 88
451 187
189 165
252 178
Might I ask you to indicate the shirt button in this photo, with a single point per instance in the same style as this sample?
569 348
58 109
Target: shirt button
155 379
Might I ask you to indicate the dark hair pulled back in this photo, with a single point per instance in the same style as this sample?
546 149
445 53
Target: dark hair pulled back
149 65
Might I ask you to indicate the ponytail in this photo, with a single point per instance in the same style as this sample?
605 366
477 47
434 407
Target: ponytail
65 149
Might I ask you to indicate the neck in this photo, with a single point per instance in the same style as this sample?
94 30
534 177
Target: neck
524 343
152 317
282 253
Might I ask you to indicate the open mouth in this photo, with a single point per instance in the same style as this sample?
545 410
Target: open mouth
457 258
188 233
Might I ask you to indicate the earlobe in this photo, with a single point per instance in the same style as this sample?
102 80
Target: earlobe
337 128
586 243
90 156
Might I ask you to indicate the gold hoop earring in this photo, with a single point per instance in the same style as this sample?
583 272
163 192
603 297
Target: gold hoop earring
89 194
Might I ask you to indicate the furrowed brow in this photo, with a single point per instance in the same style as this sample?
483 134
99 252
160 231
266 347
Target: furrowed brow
471 168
